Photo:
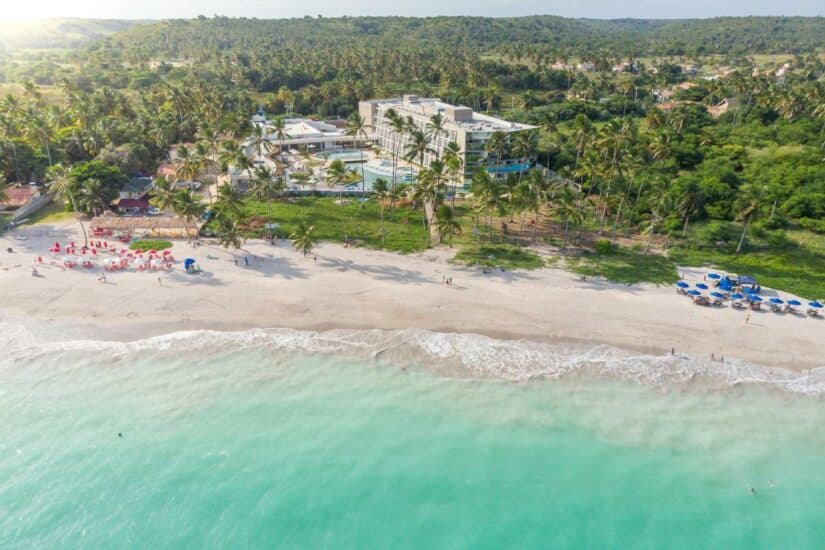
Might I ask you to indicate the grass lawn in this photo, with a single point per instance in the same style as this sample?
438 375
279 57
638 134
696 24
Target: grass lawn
505 256
360 222
50 213
625 265
150 244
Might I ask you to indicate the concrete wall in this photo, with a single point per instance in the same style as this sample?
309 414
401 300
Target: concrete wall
31 207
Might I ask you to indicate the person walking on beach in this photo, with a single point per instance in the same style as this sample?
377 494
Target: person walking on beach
160 282
747 319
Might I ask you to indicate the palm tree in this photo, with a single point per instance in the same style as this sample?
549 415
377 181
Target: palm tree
399 127
302 238
162 194
356 127
59 186
228 232
567 206
189 208
265 188
381 192
92 196
260 141
279 129
448 224
229 202
690 202
524 147
497 145
418 146
748 207
455 166
431 187
434 128
338 174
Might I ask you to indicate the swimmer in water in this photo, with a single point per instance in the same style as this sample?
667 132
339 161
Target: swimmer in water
753 491
771 483
119 434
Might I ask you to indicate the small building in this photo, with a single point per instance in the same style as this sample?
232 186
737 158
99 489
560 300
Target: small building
133 206
23 200
136 188
165 227
722 107
586 67
167 170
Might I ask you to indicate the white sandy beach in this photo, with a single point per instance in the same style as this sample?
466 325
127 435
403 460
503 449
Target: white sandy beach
358 288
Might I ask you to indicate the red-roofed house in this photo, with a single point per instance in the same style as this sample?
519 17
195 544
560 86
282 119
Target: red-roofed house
133 206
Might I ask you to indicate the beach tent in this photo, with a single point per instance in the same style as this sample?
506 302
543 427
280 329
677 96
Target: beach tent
682 284
703 286
776 301
718 295
694 292
747 280
754 298
796 303
714 276
815 305
737 296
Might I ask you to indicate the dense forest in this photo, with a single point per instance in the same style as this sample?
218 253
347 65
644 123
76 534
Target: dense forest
647 147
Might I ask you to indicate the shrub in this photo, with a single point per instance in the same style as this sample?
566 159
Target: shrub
150 244
817 226
603 246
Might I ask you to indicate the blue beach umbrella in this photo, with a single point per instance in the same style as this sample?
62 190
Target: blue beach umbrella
754 298
188 262
794 303
737 296
703 286
714 276
694 292
776 301
717 295
815 305
682 284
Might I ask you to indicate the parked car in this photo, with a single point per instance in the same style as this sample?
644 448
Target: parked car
153 211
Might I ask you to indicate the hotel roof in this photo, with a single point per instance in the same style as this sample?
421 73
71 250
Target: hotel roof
457 116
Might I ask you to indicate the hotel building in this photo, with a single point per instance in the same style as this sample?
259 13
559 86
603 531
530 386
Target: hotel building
470 130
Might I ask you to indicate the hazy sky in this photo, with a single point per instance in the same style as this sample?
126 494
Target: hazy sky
160 9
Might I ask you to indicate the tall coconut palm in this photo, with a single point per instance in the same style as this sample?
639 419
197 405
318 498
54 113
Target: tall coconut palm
381 193
399 127
690 202
162 194
228 232
448 224
357 128
260 141
524 147
497 145
435 128
229 202
748 208
92 196
265 187
567 206
190 209
59 185
455 166
339 175
418 145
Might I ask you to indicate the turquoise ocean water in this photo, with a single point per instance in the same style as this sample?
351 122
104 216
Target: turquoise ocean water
399 440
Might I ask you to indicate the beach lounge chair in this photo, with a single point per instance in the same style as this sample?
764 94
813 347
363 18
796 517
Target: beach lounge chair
813 312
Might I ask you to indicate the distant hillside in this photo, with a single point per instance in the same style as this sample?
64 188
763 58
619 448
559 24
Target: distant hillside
731 35
58 33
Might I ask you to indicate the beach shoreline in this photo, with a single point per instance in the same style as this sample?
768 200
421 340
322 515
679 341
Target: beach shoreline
360 289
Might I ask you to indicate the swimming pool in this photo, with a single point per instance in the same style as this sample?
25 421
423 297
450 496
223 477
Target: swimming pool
380 169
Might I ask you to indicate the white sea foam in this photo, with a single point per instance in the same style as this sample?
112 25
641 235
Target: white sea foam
516 361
